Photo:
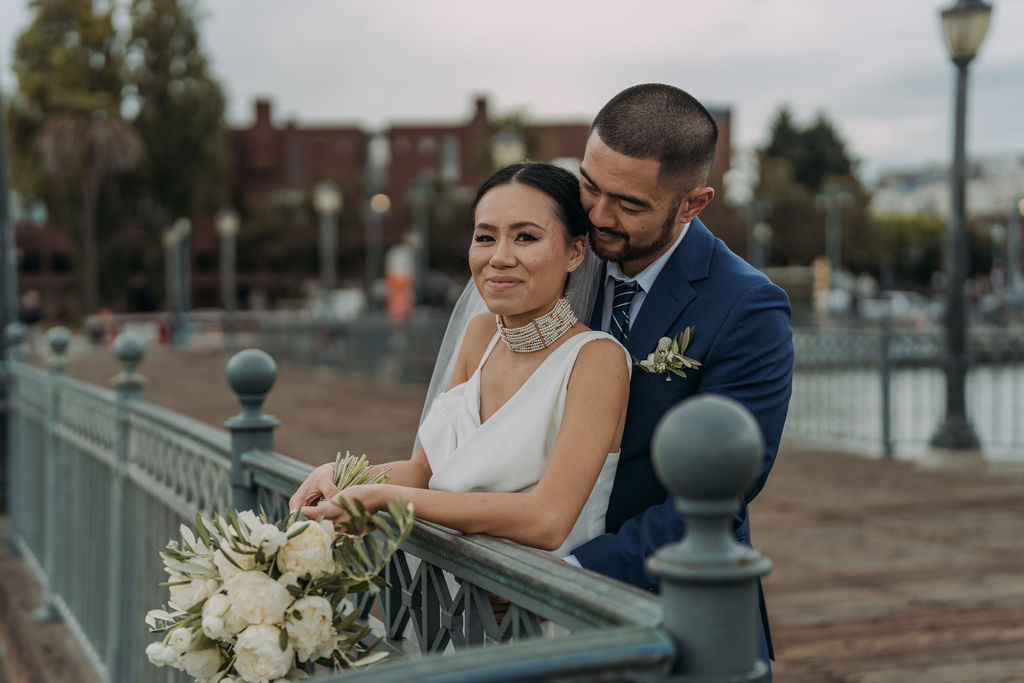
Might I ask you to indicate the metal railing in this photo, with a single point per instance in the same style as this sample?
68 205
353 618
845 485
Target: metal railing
884 390
100 480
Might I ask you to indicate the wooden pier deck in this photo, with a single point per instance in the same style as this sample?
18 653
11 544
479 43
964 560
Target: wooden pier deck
884 571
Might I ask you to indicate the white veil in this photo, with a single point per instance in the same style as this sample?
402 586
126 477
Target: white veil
581 290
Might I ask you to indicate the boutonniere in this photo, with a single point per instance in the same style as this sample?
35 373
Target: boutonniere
668 356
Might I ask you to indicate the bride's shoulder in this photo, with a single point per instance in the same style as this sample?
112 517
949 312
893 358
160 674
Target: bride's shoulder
601 350
479 331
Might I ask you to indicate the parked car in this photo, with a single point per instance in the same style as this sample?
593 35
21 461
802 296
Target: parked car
902 306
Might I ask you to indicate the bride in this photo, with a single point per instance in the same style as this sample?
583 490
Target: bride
524 443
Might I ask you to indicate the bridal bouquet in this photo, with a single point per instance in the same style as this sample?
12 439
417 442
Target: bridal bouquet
252 600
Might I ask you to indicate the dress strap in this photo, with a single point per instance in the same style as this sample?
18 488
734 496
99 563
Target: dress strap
487 352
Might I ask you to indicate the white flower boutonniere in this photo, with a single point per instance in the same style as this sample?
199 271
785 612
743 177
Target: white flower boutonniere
668 356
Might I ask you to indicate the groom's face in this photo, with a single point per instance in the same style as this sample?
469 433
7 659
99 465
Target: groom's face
635 217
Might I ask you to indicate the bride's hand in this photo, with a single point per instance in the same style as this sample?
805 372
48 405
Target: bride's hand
367 494
318 485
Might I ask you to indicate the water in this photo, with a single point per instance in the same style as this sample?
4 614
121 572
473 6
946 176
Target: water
844 407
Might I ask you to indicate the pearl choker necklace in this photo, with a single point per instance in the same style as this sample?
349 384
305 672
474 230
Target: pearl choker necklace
541 332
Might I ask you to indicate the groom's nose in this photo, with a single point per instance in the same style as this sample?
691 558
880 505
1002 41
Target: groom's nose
601 213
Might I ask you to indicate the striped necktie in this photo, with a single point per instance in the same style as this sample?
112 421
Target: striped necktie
621 300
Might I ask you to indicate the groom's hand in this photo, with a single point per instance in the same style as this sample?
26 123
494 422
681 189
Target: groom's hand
318 485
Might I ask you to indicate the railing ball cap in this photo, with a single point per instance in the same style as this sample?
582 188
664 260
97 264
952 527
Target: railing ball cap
58 338
251 372
708 447
15 333
129 347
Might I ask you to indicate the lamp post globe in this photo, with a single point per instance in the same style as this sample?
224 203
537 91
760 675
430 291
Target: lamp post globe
964 26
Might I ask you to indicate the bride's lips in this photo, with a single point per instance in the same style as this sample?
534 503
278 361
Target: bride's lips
503 283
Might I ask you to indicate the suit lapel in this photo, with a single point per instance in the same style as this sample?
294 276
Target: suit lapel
671 292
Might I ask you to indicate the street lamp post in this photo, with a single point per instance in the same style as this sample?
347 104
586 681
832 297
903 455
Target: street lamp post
327 201
227 229
1013 275
380 204
964 25
176 243
420 201
762 240
508 146
832 199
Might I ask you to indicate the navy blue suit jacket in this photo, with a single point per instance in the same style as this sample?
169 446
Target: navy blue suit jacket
744 340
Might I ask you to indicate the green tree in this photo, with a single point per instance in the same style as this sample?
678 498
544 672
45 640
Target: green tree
795 166
180 112
66 119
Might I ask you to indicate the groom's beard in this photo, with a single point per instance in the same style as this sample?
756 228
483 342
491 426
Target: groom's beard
628 251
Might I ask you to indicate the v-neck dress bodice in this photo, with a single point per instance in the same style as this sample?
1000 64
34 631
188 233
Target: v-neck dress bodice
509 451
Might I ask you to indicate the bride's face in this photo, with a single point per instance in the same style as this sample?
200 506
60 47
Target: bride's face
521 252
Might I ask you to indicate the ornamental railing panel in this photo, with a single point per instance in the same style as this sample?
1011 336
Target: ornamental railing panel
885 389
125 474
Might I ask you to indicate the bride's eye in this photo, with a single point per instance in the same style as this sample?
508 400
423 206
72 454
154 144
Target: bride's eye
482 238
525 237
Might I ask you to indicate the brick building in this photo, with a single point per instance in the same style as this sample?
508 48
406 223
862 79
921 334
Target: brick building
274 170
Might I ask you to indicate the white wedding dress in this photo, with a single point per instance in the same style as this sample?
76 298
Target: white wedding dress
509 452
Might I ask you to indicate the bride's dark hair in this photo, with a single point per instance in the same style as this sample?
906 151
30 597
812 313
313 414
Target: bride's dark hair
554 181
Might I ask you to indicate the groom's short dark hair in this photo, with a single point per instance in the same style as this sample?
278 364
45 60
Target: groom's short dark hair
663 123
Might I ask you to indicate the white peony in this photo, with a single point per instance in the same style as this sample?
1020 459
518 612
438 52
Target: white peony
163 655
311 632
185 595
220 622
259 656
268 537
180 639
202 664
257 598
228 569
288 579
249 519
309 552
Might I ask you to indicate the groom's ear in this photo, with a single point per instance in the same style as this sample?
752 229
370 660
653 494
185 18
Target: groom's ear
693 203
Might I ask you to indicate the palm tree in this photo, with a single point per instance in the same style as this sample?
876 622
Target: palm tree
90 148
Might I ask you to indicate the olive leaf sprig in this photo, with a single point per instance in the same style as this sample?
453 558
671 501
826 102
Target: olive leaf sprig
352 471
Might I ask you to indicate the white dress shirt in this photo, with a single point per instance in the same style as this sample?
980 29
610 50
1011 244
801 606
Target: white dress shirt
645 279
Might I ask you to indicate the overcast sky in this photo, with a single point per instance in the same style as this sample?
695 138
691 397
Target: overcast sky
878 68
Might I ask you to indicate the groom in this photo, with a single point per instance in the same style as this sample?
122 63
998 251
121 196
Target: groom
643 182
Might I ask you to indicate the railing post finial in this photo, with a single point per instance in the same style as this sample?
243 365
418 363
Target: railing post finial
58 338
129 348
15 334
707 452
251 373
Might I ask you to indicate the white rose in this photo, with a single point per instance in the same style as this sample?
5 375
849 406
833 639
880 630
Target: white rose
163 655
225 566
180 639
311 632
220 622
203 663
268 537
257 598
185 595
258 654
310 552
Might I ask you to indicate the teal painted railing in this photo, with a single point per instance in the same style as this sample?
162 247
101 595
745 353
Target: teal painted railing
100 480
